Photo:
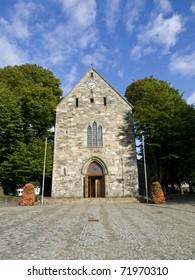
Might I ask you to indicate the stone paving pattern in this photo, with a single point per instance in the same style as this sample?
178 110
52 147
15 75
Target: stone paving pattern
93 231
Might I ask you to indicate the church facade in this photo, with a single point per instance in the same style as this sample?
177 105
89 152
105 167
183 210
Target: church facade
94 148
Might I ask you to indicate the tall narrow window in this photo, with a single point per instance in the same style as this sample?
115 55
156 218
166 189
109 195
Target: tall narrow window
105 101
100 136
94 133
77 102
89 136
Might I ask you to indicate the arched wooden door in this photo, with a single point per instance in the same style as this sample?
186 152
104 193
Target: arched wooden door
94 181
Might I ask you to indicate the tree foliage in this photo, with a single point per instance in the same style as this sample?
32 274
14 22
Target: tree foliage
29 95
168 124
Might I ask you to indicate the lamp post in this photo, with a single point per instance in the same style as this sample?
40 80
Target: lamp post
145 171
44 165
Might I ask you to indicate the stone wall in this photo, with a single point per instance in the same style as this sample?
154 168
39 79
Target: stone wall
71 152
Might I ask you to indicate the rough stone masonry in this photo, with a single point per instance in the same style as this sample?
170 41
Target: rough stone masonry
94 150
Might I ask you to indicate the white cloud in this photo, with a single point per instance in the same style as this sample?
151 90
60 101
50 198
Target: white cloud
53 41
75 33
133 13
101 56
29 35
10 53
138 51
18 23
120 73
88 38
160 32
185 65
71 76
16 31
163 6
70 79
81 13
191 99
112 14
192 8
163 31
62 43
56 45
97 58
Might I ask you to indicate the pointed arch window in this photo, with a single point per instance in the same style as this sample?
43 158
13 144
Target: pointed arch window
89 136
94 135
100 137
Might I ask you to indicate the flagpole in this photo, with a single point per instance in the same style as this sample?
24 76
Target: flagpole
145 171
44 165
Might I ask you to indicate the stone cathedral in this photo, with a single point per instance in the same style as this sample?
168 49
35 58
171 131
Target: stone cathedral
94 149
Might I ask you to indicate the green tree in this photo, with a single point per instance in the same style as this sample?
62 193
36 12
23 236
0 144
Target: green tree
25 164
11 122
29 95
168 124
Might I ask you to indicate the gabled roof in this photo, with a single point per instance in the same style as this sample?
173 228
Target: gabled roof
92 69
112 87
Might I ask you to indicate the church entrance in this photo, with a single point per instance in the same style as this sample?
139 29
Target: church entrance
95 187
94 181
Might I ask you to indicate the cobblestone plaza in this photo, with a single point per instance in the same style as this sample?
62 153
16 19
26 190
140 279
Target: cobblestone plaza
94 231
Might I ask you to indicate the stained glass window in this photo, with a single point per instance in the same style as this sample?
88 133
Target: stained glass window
89 136
100 137
94 134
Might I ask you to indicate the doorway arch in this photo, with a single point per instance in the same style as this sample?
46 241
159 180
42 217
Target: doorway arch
94 183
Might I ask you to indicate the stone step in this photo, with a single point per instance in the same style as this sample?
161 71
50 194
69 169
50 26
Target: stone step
99 200
12 200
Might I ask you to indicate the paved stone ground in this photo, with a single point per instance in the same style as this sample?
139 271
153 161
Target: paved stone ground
98 231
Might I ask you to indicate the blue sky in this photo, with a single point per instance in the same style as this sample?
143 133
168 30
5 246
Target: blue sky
125 40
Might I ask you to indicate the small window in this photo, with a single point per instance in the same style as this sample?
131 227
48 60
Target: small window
91 74
77 102
105 101
91 100
63 171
